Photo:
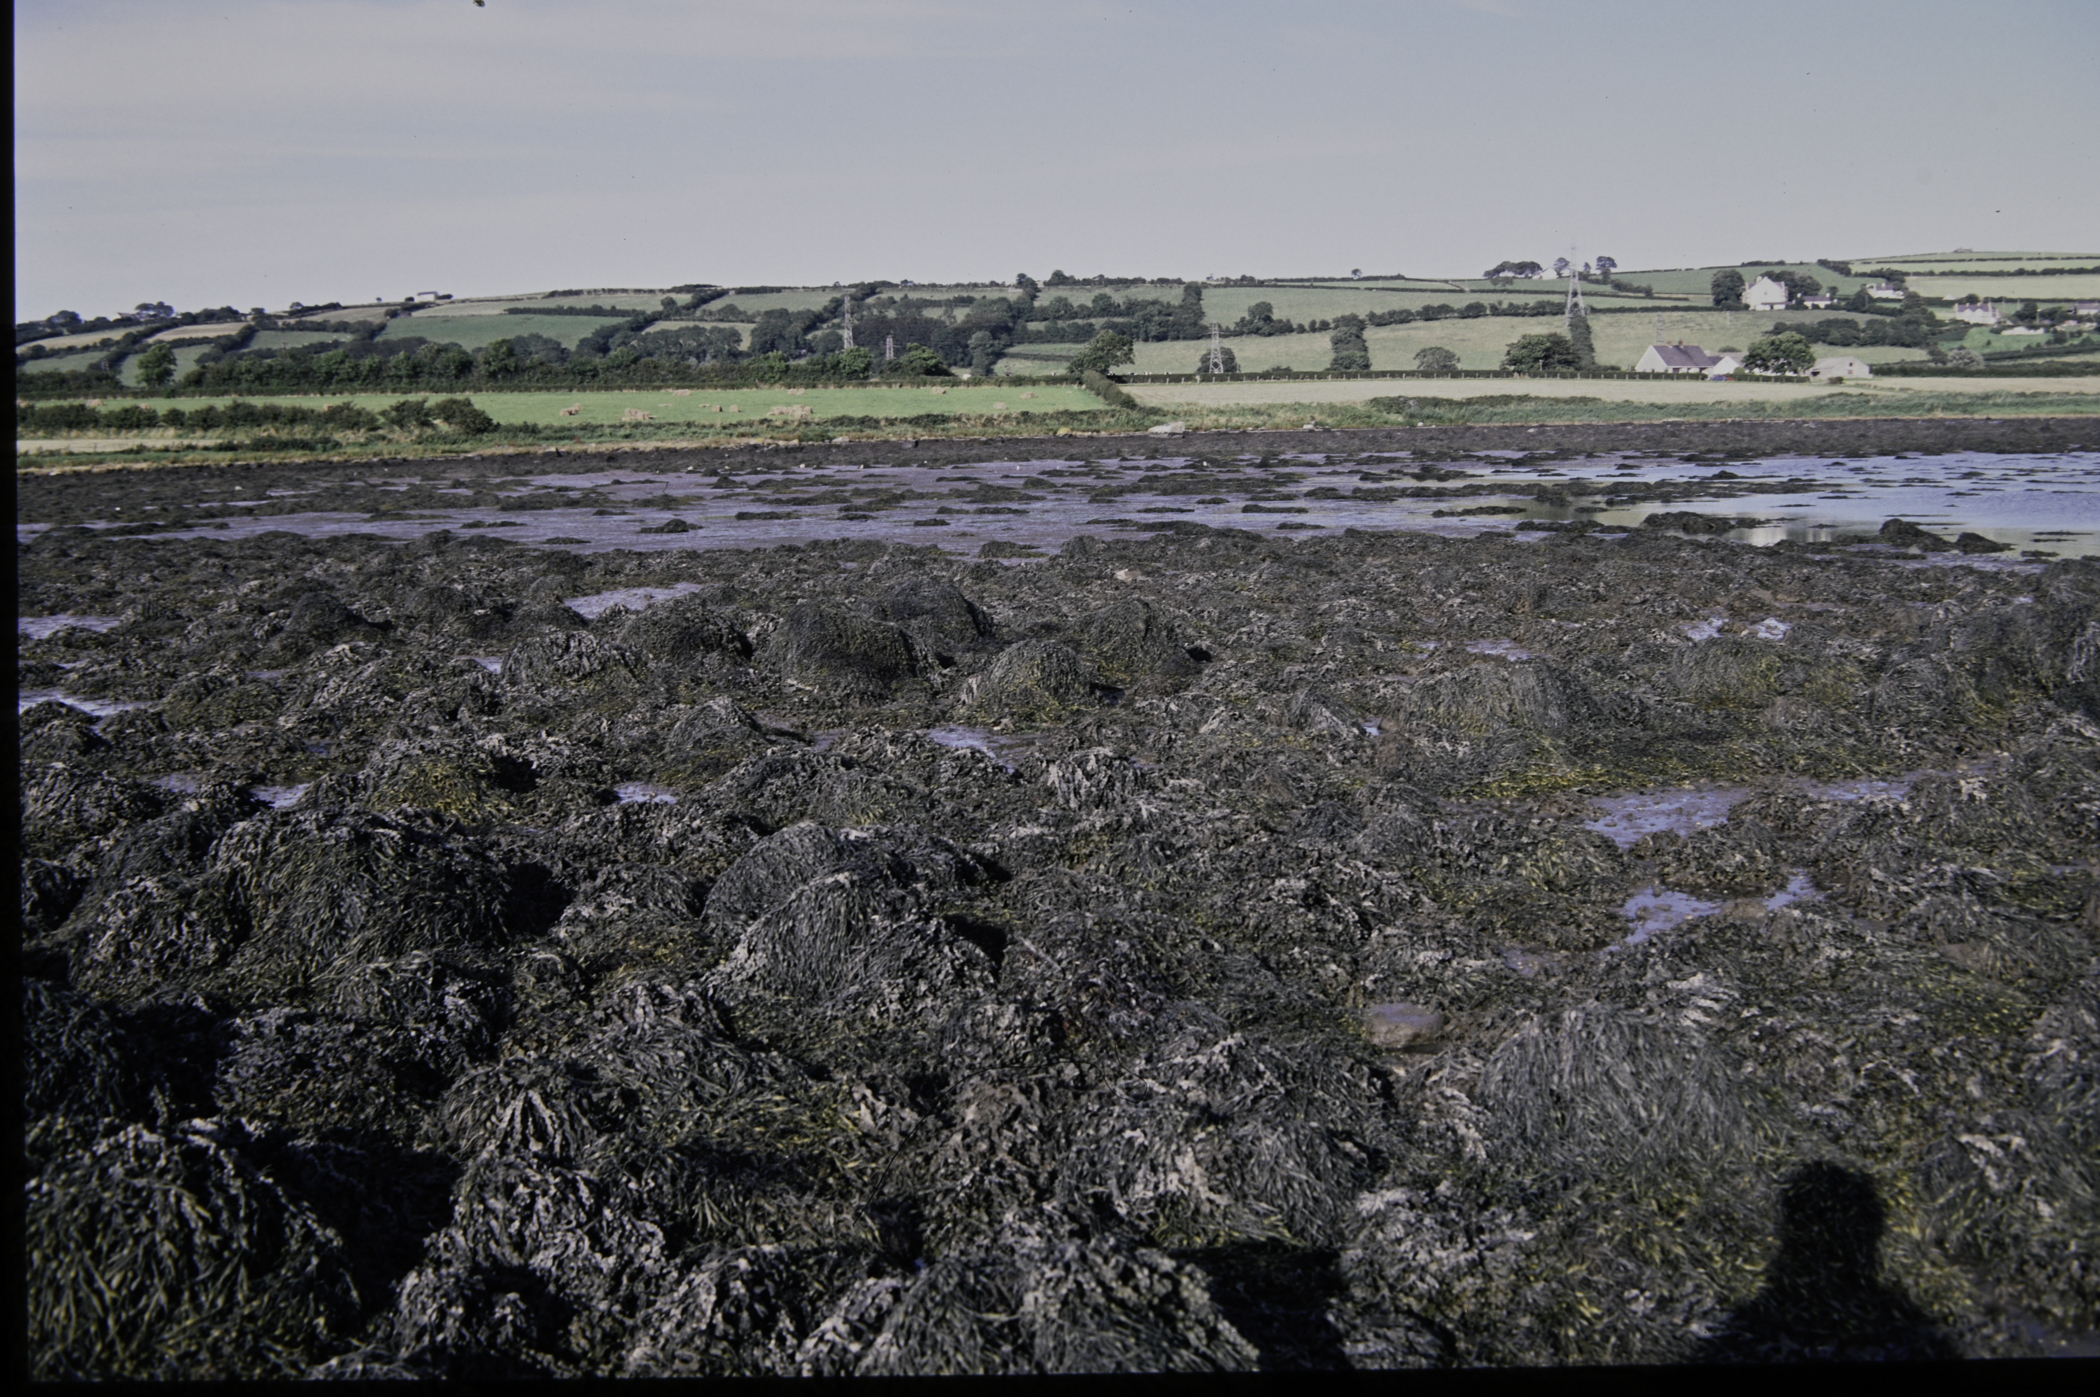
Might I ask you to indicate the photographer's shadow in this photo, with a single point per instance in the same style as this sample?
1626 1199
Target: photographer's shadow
1823 1299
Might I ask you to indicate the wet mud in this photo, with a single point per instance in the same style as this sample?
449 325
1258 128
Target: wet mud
1193 948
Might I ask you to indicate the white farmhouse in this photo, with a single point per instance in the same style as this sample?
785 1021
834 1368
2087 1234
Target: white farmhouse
1822 300
1765 294
1840 366
1882 291
1977 312
1726 364
1674 359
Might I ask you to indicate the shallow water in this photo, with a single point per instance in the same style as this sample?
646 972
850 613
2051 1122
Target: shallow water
590 608
642 793
962 738
1507 649
1656 908
1685 810
41 627
1629 818
26 699
2049 502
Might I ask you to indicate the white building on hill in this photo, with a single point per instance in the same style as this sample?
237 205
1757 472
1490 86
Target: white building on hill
1882 291
1841 366
1977 312
1765 294
1674 359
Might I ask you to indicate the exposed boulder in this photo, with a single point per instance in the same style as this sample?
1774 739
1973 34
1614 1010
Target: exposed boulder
1131 641
826 647
1029 681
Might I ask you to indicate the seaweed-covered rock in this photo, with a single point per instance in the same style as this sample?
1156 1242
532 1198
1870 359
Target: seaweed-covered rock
219 698
739 1313
1041 1306
1598 1087
76 1058
1482 698
1030 681
155 932
824 646
682 633
467 781
543 669
321 889
937 615
170 1254
825 919
1131 641
62 805
49 893
57 732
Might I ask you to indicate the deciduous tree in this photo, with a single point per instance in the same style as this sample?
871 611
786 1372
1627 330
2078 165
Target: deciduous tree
1541 353
1780 354
1103 353
156 366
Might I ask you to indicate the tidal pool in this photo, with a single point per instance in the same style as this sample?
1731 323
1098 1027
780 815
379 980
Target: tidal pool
2049 503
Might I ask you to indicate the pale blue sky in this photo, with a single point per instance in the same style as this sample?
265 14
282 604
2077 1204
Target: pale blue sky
254 152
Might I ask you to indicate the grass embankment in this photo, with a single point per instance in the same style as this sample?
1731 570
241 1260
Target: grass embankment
532 422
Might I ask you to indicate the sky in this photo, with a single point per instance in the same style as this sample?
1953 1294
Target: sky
257 152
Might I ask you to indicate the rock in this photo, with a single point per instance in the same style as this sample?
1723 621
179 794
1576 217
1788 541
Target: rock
1130 641
1901 533
1030 681
1396 1026
826 647
937 614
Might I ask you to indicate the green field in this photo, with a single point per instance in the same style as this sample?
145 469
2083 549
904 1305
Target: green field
2075 286
480 331
186 357
1698 282
295 339
752 406
1657 390
196 332
1922 261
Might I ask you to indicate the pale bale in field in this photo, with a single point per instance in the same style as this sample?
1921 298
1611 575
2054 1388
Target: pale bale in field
796 410
635 414
572 411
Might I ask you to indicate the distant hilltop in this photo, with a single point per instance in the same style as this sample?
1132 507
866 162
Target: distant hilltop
1882 309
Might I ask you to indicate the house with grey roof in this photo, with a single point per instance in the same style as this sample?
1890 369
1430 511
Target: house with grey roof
1675 359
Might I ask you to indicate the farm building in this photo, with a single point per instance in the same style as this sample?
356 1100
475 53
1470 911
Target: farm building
1977 312
1765 294
1840 366
1883 291
1822 300
2085 309
1674 359
1726 364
